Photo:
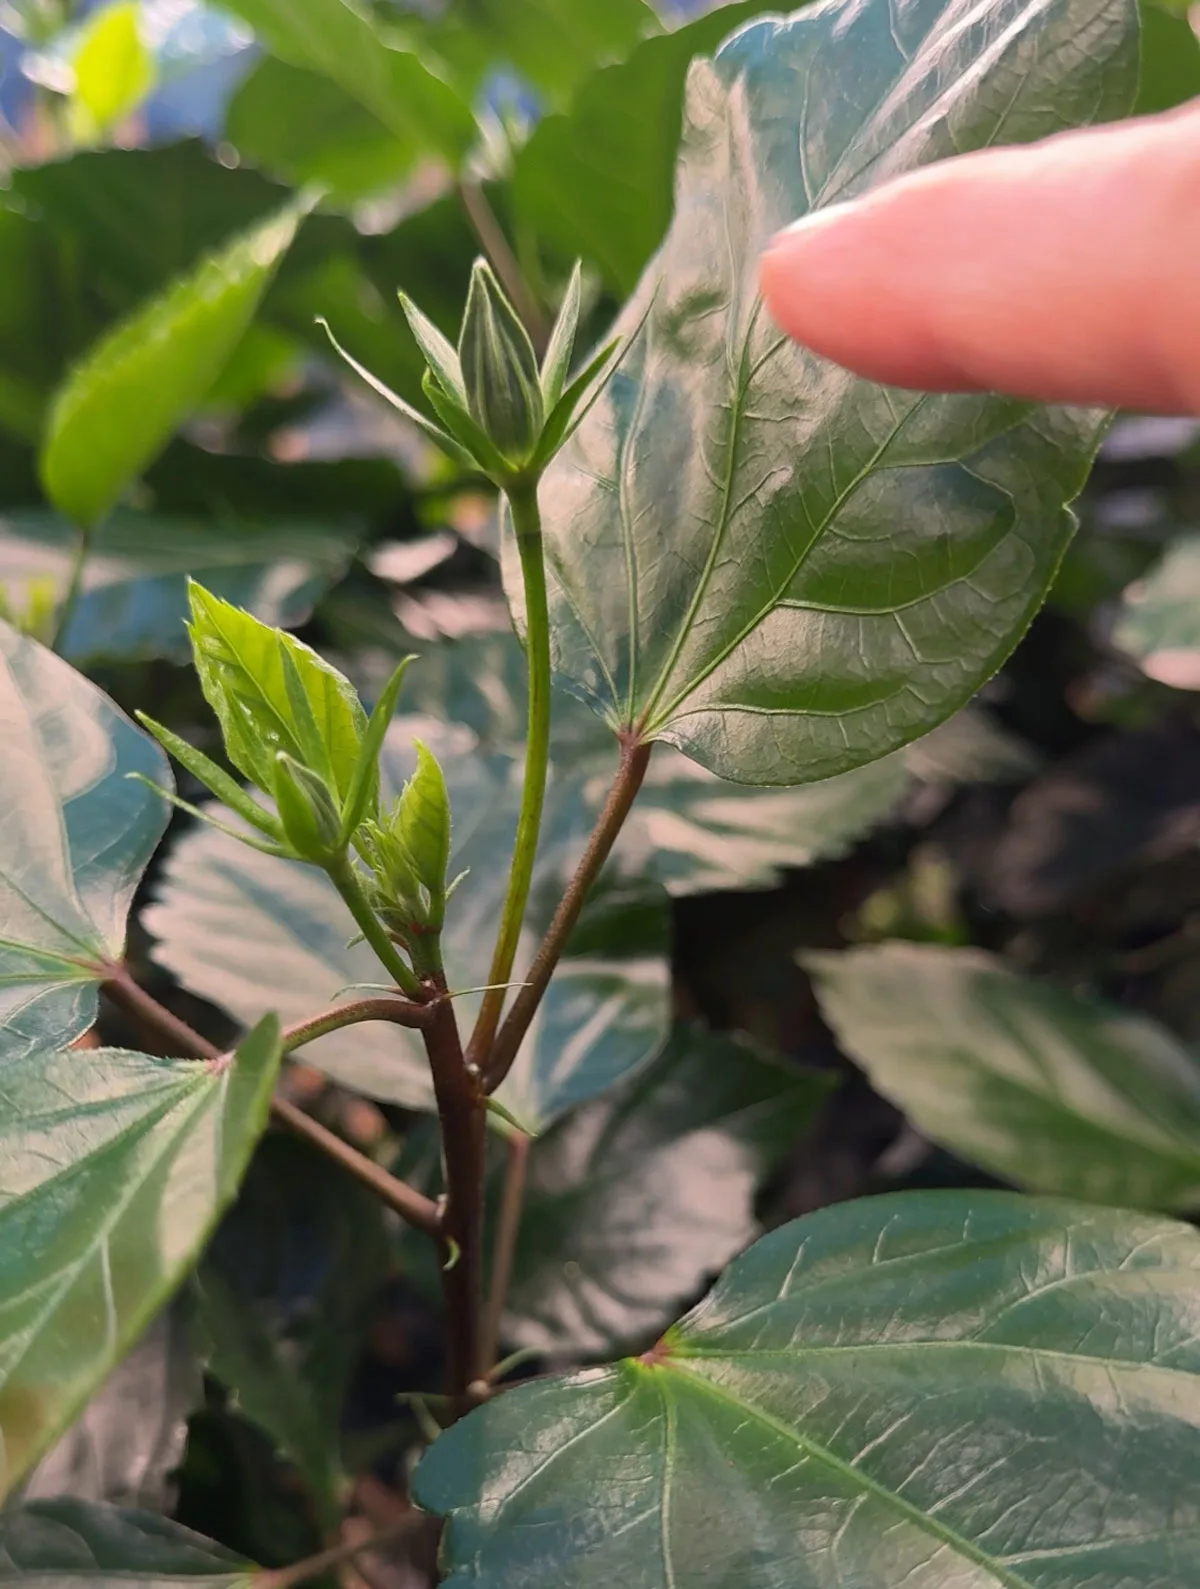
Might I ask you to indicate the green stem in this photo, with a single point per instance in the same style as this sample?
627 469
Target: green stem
70 601
528 526
345 880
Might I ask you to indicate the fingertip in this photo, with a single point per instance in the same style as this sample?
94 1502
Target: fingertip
798 269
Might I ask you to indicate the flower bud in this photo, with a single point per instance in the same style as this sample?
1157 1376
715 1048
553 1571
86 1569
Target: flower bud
499 370
310 818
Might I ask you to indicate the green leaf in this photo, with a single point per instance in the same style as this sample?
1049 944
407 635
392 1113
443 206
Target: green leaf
244 669
944 1390
596 180
116 1168
1056 1093
342 41
1158 622
63 1543
552 43
688 828
301 126
214 778
701 835
282 1302
633 1201
363 795
436 349
556 365
126 1446
77 835
783 571
114 70
134 603
307 812
422 821
1170 58
121 403
607 1011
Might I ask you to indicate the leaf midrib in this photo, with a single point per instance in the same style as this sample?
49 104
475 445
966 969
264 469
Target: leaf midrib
682 1352
912 1514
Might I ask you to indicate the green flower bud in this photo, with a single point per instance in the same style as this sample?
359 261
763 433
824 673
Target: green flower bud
499 370
311 821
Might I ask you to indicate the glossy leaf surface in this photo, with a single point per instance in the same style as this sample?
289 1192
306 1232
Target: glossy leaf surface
595 180
273 693
63 1544
121 403
1050 1091
607 1011
115 1168
134 597
782 570
957 1391
1158 623
342 41
77 835
635 1200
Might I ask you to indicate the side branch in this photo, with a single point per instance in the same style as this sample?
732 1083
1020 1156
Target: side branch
411 1205
635 757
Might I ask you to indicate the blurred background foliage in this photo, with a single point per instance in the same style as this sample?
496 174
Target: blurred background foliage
1056 823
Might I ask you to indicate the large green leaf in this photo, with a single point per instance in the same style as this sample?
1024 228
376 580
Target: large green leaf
782 570
63 1544
300 125
115 1168
77 835
120 405
141 217
1158 622
342 41
133 601
595 181
634 1201
1050 1091
552 43
607 1011
947 1391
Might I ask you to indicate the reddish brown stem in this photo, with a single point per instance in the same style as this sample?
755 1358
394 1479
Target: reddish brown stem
181 1038
414 1207
635 757
508 1226
463 1116
398 1011
411 1205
